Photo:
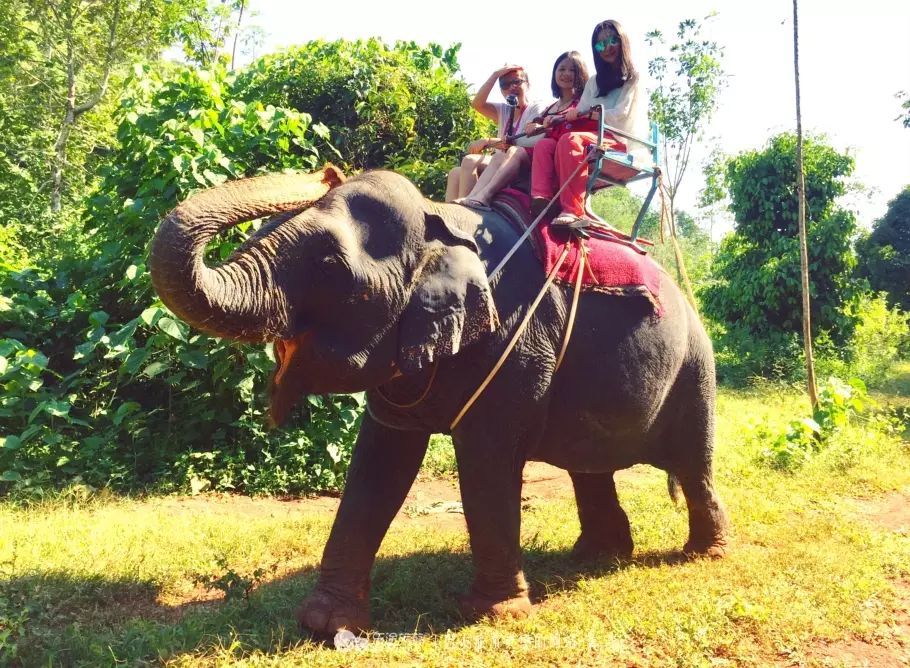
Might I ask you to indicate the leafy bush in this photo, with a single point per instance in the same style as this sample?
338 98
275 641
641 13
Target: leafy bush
398 107
102 385
838 403
881 338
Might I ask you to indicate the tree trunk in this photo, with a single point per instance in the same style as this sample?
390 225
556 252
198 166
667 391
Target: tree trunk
72 111
66 126
237 34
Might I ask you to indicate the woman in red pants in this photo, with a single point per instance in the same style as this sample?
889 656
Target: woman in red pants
616 88
567 83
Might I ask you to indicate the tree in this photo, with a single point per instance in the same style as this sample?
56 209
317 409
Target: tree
207 29
689 77
884 253
69 53
757 269
801 223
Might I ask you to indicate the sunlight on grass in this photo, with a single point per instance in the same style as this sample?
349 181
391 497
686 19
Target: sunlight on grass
100 580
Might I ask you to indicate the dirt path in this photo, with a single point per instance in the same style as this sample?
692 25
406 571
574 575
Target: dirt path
435 502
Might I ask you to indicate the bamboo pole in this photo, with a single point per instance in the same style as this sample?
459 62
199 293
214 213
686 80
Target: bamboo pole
803 246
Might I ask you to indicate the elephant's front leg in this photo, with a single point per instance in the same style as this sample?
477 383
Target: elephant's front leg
490 478
383 467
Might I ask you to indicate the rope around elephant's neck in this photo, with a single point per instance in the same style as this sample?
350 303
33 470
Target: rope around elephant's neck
423 396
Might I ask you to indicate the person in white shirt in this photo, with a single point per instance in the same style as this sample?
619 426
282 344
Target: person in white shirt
617 89
479 177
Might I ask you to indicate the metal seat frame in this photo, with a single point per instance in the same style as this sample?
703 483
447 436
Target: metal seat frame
598 157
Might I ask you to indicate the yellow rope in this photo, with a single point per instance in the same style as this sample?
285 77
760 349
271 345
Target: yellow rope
518 333
582 256
536 221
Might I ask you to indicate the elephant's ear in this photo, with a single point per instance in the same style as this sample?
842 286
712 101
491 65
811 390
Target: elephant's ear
452 305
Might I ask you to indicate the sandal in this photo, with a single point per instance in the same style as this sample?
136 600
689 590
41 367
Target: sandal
564 219
473 204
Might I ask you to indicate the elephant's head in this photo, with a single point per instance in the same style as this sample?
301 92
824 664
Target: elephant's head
354 280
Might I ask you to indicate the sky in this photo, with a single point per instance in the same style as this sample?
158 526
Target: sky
854 58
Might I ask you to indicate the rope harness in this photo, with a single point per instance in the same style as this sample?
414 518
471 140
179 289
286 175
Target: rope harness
527 319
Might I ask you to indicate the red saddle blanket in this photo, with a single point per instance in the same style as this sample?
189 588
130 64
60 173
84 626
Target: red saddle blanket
610 267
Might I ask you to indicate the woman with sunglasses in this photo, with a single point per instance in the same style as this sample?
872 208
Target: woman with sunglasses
480 176
616 88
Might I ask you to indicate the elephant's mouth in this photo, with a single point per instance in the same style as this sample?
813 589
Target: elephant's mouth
286 384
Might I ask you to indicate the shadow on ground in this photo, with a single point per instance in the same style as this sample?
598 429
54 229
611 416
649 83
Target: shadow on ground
94 621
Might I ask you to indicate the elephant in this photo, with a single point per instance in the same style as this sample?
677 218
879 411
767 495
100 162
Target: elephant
365 285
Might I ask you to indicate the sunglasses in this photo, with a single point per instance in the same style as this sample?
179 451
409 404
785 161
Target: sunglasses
510 83
612 40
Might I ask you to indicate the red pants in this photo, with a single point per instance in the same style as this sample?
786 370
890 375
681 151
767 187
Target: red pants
553 162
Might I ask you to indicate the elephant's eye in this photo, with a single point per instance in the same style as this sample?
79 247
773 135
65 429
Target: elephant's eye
332 264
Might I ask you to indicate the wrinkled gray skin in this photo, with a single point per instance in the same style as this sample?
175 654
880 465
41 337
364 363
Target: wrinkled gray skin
372 286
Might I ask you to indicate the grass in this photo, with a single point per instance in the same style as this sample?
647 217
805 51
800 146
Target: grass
110 581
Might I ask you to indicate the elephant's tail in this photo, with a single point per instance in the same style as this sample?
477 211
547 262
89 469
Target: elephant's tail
674 488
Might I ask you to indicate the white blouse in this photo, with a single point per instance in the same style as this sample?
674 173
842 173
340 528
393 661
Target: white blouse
625 108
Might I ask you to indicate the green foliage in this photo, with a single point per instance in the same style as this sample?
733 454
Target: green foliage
838 403
103 386
881 338
206 29
904 117
15 613
235 586
756 294
61 67
397 107
439 461
884 253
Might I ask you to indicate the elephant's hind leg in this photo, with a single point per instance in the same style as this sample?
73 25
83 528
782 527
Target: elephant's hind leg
688 451
707 519
605 530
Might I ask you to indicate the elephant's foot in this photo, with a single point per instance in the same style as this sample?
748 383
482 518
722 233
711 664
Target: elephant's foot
326 612
597 548
476 606
497 599
713 548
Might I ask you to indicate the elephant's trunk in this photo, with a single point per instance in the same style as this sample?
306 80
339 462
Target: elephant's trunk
238 300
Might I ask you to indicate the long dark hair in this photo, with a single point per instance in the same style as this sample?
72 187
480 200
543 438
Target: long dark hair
581 74
610 77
